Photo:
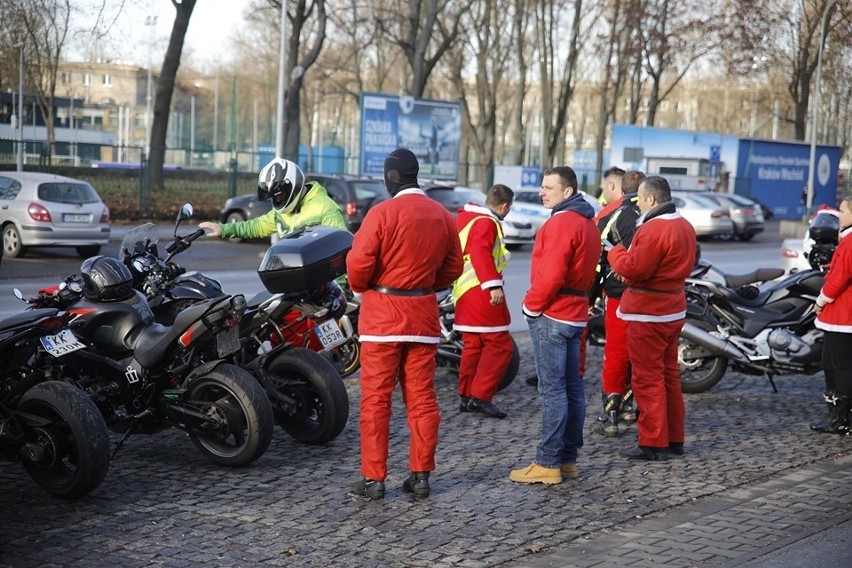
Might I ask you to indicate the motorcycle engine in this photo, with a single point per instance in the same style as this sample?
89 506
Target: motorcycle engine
788 347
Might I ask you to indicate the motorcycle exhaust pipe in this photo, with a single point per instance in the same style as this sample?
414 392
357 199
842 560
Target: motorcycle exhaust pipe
718 346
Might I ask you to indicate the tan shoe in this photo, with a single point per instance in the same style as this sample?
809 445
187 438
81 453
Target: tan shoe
535 473
569 470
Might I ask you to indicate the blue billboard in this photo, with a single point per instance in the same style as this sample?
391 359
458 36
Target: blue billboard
430 129
777 173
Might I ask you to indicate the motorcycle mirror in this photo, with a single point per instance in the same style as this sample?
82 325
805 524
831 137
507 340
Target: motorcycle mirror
184 213
18 294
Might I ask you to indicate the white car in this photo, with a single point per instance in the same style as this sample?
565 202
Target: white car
529 203
518 229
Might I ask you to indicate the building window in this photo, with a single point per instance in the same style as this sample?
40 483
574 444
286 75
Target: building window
107 81
87 79
66 77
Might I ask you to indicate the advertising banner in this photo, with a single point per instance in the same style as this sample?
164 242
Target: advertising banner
430 129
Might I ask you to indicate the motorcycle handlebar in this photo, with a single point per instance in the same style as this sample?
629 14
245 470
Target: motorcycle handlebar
182 243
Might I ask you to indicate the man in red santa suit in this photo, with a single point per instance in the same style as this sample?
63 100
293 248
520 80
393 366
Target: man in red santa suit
406 248
655 268
481 313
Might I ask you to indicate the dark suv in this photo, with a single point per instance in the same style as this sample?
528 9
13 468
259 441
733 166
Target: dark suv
354 195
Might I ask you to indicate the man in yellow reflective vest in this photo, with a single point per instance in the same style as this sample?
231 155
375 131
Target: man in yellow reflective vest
481 312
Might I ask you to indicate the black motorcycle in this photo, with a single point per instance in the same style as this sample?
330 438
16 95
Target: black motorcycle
768 331
281 334
450 345
50 426
146 377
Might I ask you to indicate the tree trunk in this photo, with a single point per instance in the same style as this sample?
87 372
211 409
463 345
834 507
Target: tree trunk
165 89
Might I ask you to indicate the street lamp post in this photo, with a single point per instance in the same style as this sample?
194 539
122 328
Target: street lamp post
192 129
150 21
814 111
281 122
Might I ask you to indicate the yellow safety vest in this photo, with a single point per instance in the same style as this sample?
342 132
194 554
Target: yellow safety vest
468 278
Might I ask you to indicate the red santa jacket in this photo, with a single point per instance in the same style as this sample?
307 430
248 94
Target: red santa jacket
836 293
408 243
655 267
566 250
474 310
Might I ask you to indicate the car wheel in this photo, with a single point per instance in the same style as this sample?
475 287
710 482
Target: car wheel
88 251
12 244
235 217
725 237
747 236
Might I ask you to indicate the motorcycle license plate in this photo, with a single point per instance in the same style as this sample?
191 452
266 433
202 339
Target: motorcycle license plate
61 344
228 341
329 334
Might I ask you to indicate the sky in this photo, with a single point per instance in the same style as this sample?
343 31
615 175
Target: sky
208 38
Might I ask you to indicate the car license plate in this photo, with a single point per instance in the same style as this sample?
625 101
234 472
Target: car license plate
329 334
75 217
61 344
228 341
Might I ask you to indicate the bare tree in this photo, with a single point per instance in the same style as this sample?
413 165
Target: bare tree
487 47
804 29
424 30
165 90
677 34
41 26
556 74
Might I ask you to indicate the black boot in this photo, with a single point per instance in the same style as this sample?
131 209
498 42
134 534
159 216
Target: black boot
831 424
417 483
843 425
612 408
463 401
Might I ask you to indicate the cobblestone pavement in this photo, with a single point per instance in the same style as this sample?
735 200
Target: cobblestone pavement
753 480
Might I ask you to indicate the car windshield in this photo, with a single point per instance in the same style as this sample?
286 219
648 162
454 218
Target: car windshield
528 197
471 196
143 234
59 192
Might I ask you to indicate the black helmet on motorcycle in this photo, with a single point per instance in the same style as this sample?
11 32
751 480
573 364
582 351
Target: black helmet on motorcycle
330 296
106 279
824 228
282 181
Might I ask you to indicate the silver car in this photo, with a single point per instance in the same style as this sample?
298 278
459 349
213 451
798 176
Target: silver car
46 210
707 218
746 215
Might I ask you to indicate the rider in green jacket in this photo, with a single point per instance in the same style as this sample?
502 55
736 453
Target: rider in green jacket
295 205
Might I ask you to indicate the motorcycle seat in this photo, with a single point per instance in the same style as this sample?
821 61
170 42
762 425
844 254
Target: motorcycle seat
155 341
258 299
27 316
759 275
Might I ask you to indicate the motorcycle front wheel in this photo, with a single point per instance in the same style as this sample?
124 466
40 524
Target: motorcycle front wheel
239 416
699 369
67 451
321 401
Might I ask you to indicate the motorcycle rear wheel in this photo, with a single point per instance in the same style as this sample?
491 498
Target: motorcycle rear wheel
449 357
699 374
322 403
69 455
240 416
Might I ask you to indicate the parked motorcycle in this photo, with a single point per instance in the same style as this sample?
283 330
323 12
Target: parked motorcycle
281 335
769 333
51 427
450 345
146 377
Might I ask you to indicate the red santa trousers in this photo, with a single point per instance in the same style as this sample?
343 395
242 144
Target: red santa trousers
616 362
656 381
484 359
414 365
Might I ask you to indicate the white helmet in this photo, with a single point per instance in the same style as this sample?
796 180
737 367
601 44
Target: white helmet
283 182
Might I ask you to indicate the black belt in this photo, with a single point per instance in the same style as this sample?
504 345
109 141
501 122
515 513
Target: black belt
572 292
401 292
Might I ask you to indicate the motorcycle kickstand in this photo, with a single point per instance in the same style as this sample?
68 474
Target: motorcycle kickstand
772 382
129 430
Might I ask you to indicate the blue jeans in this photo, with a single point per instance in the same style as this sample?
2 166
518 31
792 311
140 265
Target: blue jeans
556 347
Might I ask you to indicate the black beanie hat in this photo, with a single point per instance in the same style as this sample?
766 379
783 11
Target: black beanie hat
401 169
